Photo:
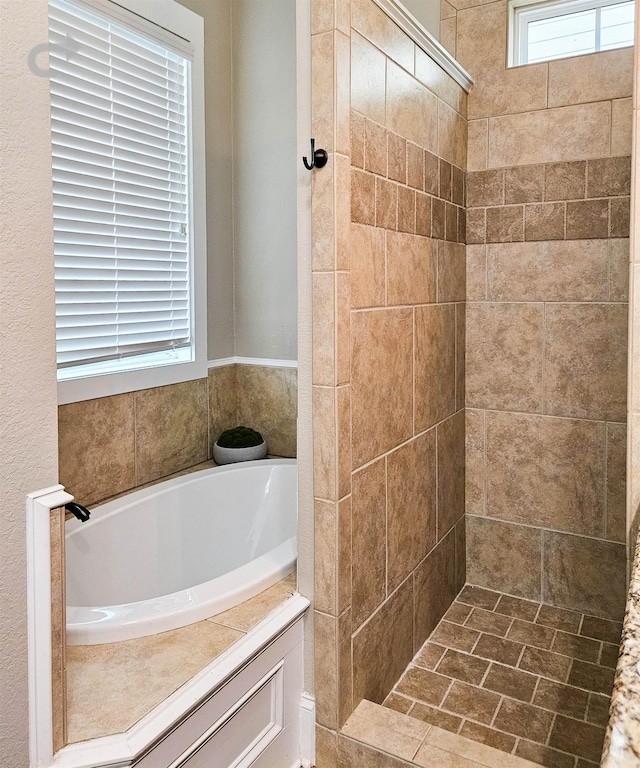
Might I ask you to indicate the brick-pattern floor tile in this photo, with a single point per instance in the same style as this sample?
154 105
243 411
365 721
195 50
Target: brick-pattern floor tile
531 634
510 682
498 649
517 607
471 702
479 597
463 667
528 679
593 677
488 621
545 663
583 648
582 739
559 618
561 698
601 629
524 720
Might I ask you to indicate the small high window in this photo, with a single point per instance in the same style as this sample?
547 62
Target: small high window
555 30
123 149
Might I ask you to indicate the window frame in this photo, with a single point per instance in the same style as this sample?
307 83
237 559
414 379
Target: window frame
521 12
155 20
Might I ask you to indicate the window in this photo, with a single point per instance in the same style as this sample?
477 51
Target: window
554 30
128 245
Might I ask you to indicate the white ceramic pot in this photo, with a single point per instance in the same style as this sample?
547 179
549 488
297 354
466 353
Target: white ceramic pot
222 455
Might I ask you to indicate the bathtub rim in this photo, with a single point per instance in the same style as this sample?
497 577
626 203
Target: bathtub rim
166 612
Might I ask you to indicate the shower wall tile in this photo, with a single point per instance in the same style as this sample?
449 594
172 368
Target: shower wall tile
439 82
451 469
581 79
546 315
368 74
504 557
619 269
505 356
96 447
478 137
411 269
621 122
452 135
369 553
584 574
586 361
325 629
435 587
475 475
324 443
382 381
324 328
548 271
451 272
383 646
476 272
398 270
171 429
342 85
322 219
411 109
481 49
223 401
268 402
552 135
411 506
322 89
325 537
533 477
616 481
376 26
435 364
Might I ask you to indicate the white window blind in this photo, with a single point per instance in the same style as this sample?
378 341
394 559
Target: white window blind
119 107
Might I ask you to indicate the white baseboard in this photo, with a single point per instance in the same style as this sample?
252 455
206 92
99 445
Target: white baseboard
307 730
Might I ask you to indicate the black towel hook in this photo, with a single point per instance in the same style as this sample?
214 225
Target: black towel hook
319 157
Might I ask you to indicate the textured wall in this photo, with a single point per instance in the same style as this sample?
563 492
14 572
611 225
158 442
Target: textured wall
547 268
114 444
27 375
388 352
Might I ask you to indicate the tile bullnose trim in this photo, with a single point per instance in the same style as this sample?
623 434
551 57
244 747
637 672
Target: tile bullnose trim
426 42
263 362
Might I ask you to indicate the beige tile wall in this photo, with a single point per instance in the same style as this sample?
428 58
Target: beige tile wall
547 289
114 444
388 369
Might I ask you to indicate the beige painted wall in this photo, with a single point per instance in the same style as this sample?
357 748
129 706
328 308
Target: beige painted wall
219 151
28 448
427 12
264 178
250 113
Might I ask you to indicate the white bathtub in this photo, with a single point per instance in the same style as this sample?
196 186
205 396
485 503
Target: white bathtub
180 551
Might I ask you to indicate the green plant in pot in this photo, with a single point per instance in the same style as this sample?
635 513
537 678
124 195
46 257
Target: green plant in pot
239 444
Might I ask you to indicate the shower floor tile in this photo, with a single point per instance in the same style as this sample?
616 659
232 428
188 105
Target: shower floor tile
526 678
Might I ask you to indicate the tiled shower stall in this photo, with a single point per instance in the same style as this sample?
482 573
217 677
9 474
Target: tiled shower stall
505 212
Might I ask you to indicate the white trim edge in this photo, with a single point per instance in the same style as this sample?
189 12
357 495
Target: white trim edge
307 730
263 362
425 40
38 509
